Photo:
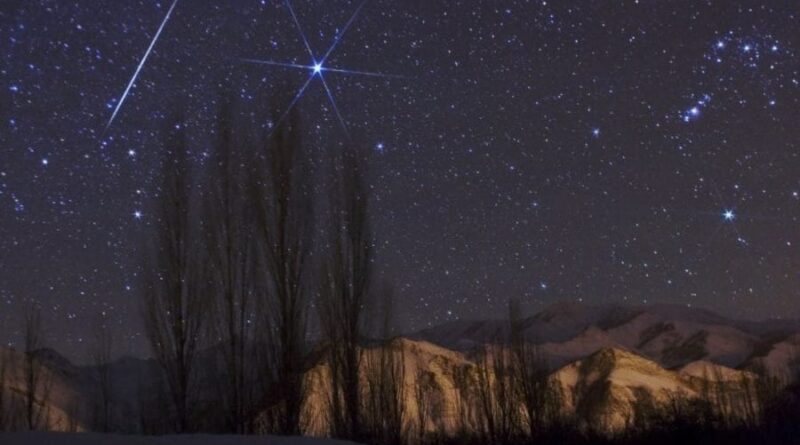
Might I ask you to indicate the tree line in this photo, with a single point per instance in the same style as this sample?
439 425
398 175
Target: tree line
249 251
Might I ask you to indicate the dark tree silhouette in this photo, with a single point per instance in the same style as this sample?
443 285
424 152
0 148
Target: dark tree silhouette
346 276
283 202
384 406
173 303
5 414
36 389
498 407
228 226
101 358
427 414
530 376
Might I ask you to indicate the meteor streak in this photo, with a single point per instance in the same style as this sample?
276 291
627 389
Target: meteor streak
141 64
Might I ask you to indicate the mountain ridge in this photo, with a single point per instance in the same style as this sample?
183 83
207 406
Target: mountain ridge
604 360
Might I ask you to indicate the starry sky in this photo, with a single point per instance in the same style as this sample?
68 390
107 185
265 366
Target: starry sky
595 151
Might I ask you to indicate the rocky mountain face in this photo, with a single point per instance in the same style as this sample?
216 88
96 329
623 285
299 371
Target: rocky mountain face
605 363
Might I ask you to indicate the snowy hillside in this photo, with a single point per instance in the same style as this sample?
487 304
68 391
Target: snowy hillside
671 335
604 359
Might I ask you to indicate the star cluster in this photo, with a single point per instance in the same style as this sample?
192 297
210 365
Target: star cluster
640 152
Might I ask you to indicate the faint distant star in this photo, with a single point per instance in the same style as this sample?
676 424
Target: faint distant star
137 214
379 147
596 132
45 161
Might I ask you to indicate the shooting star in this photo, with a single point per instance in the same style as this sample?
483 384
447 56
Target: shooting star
141 64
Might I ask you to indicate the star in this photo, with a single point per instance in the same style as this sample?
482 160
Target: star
317 66
728 215
694 111
137 214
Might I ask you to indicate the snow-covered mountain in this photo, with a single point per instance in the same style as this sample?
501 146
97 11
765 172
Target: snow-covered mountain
606 360
670 335
605 390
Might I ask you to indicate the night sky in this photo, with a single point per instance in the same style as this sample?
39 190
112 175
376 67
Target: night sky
593 151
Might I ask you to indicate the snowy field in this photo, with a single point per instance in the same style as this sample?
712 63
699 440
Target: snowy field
199 439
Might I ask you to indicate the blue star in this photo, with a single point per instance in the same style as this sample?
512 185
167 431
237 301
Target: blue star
317 66
137 214
728 215
694 111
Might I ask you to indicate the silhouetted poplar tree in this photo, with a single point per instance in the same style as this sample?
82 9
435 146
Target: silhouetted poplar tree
173 307
281 196
343 298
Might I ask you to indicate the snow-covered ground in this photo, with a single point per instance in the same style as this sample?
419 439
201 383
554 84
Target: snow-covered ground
194 439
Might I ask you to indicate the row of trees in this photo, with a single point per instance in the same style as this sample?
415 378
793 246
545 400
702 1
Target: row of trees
509 396
244 248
